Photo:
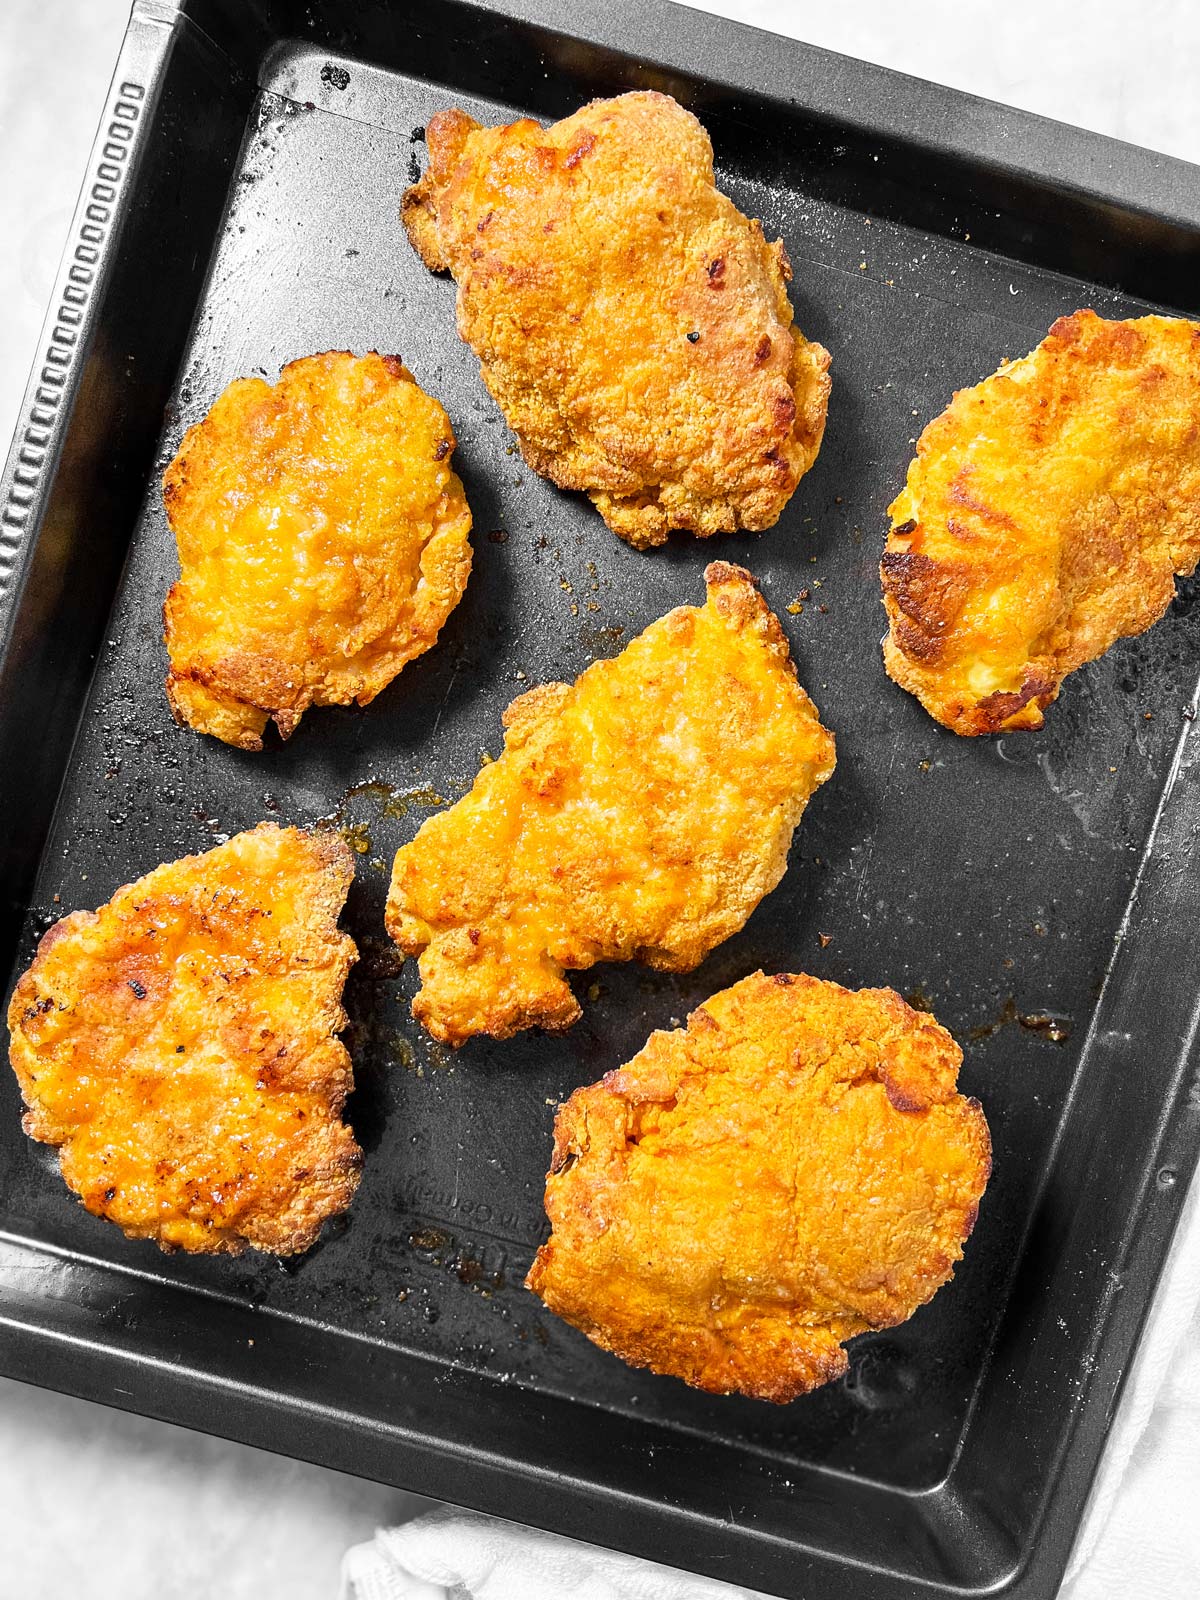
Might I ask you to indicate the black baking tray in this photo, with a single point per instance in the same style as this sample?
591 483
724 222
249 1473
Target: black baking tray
241 208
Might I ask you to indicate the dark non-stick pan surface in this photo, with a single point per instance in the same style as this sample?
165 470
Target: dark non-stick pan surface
1034 891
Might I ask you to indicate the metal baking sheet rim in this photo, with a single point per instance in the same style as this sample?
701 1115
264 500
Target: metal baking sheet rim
83 1353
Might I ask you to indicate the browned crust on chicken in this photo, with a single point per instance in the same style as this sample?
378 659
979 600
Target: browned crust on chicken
323 542
179 1046
633 326
794 1168
640 813
1046 515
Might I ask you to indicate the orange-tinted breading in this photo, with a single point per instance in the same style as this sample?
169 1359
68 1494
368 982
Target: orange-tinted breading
1045 516
323 541
180 1047
640 813
633 326
794 1168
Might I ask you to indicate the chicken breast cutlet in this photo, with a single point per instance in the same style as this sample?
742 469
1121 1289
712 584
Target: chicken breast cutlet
179 1047
640 813
633 326
323 542
1045 516
793 1168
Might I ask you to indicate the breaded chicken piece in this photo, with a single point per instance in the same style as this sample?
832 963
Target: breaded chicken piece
1045 516
179 1046
323 542
792 1169
640 813
633 326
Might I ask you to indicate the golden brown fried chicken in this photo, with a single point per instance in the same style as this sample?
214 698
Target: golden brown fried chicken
640 813
633 326
1045 516
179 1046
792 1169
323 542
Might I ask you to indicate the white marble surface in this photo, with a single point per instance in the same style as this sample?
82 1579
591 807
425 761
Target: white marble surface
93 1502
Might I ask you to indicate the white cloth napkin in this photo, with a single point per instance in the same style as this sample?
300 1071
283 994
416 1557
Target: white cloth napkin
1140 1537
457 1555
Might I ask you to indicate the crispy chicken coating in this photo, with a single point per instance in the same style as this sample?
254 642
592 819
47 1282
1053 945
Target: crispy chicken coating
1045 516
179 1046
640 813
792 1169
633 326
323 542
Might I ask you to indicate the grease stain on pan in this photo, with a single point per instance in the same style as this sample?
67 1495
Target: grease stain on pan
1056 1030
